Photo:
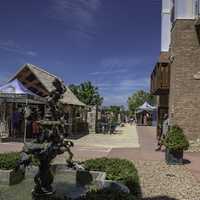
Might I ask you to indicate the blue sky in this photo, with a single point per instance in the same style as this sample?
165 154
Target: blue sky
113 43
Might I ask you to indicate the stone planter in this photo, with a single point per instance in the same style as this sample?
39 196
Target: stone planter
10 177
71 183
174 157
97 178
82 177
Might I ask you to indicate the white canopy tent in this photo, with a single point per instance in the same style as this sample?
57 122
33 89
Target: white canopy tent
15 92
145 108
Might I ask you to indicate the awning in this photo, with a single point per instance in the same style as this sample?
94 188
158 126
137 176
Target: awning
146 107
15 91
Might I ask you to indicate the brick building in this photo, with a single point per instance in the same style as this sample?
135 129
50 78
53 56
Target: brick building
176 77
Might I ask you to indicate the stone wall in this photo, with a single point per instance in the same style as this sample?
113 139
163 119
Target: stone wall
92 119
184 101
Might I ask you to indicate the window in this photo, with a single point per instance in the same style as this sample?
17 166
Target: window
173 11
197 8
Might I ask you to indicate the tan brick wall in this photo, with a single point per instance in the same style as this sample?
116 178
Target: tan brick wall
184 101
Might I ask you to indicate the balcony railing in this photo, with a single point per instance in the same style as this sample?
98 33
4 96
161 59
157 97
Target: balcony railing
160 79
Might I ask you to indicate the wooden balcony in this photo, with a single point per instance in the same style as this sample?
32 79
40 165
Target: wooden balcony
160 79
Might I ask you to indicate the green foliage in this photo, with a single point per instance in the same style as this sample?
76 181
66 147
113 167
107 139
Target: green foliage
138 98
120 170
175 139
87 93
107 194
113 111
8 160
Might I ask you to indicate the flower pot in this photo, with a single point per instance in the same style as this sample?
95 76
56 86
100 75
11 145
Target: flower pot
174 157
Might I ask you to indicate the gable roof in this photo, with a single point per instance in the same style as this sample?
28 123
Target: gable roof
71 99
46 79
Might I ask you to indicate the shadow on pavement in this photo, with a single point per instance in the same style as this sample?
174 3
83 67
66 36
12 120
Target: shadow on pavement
159 198
186 162
76 136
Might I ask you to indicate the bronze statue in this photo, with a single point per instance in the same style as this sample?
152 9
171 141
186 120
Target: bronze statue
50 144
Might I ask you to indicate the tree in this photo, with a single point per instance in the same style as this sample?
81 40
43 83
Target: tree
138 98
87 93
114 112
114 109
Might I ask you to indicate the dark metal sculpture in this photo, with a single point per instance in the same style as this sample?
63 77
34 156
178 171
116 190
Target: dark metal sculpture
50 143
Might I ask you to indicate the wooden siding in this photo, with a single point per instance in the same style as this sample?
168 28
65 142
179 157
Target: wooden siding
160 79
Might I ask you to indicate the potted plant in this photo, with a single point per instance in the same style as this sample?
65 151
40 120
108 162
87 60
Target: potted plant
175 143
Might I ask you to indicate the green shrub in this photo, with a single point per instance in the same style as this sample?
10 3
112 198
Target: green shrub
8 160
120 170
107 194
175 139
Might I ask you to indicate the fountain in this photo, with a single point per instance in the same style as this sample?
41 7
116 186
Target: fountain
46 147
47 180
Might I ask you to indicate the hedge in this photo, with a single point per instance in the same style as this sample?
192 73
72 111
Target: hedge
120 170
8 160
176 140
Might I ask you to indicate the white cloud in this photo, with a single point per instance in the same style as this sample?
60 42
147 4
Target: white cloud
134 84
116 100
115 66
97 73
118 78
77 15
119 63
31 53
4 76
126 84
11 46
118 93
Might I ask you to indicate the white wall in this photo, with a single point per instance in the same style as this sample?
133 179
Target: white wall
185 9
166 25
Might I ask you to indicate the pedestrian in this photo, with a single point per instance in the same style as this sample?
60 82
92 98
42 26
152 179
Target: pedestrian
16 117
164 130
35 129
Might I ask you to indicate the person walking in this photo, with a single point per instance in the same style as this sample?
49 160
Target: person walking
16 116
165 128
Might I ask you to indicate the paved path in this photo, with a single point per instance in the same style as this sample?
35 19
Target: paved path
125 144
11 147
147 140
125 137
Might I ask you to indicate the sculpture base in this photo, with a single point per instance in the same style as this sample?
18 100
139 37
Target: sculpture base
43 196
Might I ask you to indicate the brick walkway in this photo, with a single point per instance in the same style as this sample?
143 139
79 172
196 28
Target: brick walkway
147 140
11 147
146 151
